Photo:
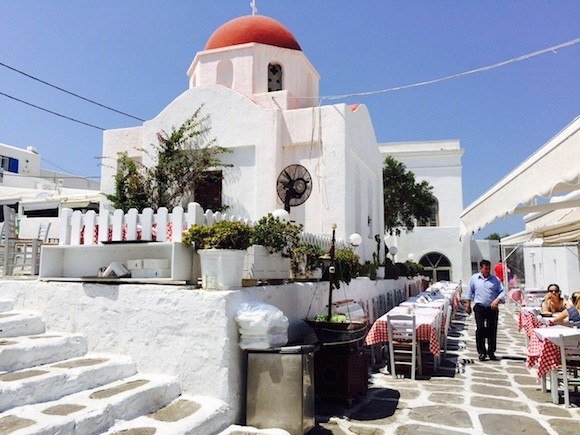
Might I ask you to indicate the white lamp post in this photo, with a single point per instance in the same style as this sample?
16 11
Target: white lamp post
281 214
355 239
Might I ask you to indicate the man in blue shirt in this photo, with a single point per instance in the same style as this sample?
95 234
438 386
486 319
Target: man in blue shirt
486 292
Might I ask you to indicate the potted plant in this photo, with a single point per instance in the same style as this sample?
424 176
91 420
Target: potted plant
306 263
222 251
268 257
333 328
347 266
379 267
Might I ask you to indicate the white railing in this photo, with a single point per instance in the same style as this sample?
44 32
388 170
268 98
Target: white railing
77 228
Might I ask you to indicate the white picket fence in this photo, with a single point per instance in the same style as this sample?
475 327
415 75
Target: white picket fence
77 228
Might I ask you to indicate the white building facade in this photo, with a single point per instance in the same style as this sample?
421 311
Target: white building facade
37 192
260 92
436 243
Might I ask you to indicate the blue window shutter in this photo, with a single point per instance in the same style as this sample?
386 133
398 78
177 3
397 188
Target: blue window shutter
13 165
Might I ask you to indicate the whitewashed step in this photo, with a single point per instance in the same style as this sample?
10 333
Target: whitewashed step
6 305
15 323
249 430
197 415
17 353
55 380
96 410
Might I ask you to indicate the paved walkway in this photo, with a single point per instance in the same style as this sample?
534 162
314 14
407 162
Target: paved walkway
466 396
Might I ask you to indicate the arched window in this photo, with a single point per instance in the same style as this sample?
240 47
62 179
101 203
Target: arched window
225 73
437 266
274 77
433 219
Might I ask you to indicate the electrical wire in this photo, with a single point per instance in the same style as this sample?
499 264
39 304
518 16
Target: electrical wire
453 76
70 93
51 112
49 177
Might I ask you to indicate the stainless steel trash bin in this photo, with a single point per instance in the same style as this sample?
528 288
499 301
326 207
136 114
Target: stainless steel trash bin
280 389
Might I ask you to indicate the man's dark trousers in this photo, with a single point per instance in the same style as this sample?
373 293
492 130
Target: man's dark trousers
486 320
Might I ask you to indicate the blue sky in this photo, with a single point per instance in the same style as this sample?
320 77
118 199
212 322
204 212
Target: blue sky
133 56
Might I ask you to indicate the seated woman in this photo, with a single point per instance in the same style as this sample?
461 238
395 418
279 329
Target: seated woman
553 302
572 313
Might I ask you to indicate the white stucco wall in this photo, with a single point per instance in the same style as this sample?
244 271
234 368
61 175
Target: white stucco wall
438 163
28 162
557 264
485 250
175 330
249 73
332 142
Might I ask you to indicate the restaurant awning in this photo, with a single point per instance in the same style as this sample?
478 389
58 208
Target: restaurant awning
554 169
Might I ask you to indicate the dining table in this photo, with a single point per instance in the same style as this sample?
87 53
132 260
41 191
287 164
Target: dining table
544 350
425 323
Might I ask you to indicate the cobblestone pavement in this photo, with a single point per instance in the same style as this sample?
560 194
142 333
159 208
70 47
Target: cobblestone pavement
465 396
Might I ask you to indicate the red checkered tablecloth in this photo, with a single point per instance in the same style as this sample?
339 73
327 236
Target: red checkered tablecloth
545 353
426 329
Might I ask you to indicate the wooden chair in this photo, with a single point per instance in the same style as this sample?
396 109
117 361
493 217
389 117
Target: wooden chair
27 252
7 233
403 345
568 373
445 330
425 351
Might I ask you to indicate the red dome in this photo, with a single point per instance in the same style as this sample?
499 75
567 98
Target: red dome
252 28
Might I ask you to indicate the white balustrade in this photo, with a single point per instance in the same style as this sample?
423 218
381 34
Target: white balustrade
77 228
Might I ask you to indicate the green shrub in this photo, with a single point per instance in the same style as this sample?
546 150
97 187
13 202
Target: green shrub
276 234
346 264
312 254
220 235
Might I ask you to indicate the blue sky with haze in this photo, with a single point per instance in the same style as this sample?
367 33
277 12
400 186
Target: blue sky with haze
133 56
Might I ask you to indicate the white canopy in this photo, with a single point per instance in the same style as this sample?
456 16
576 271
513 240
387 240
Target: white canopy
556 227
39 199
553 169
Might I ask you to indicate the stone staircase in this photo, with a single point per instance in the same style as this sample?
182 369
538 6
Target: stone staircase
49 384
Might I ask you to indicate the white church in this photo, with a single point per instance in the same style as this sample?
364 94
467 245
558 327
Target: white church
261 94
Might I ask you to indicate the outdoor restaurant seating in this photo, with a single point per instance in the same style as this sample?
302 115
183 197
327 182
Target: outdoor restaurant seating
555 349
19 252
568 372
431 311
403 343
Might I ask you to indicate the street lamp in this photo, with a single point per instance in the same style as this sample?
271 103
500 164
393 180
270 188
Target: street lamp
355 239
393 251
281 214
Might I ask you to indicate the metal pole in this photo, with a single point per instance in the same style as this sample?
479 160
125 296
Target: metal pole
331 271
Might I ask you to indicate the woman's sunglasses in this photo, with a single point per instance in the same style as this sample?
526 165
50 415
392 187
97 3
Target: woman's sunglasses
554 291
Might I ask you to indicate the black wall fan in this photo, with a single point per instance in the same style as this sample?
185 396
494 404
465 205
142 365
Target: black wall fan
294 186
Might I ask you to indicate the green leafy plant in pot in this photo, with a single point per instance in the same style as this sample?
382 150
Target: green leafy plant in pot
276 235
222 251
306 260
269 254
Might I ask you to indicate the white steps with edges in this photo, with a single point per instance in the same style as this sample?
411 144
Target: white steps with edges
17 353
196 415
6 305
55 380
50 385
94 410
15 323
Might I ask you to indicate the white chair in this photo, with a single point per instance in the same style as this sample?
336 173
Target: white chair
568 374
8 233
427 352
403 343
445 330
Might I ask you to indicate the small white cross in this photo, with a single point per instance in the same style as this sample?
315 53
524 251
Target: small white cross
254 8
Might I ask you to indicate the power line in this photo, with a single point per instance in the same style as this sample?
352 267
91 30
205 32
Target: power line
69 92
50 111
49 177
454 76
